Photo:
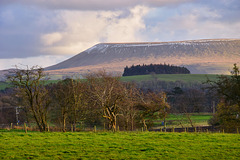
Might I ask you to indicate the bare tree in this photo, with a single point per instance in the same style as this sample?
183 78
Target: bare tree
69 99
30 85
78 101
153 106
61 93
106 91
129 102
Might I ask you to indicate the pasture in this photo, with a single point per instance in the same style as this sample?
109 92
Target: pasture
172 77
182 120
119 145
188 78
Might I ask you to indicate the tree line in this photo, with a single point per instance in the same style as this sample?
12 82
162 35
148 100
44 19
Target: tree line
183 97
99 99
154 68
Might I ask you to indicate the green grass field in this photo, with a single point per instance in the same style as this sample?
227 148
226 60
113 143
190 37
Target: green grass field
162 77
175 120
120 145
4 85
172 77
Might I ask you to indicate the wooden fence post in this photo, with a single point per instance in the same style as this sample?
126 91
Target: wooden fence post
95 128
25 127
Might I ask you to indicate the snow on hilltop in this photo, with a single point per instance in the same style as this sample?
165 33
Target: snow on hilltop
200 56
102 46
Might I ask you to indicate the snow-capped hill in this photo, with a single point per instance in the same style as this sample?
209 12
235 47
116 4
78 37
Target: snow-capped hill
200 56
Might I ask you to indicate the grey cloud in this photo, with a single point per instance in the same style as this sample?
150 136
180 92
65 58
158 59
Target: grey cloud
228 9
19 45
204 19
93 4
32 31
23 24
21 29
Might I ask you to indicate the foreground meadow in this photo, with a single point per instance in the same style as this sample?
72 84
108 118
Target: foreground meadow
120 145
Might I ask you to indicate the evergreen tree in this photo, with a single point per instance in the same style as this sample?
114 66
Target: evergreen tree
154 68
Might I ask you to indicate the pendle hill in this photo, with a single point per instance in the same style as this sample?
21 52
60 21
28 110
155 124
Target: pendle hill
210 56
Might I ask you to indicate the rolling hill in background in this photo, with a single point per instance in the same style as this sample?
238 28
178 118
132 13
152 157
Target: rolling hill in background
211 56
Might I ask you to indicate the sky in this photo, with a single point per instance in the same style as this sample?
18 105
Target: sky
46 32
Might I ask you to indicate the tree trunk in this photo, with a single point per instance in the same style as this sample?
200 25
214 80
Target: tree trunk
64 124
145 125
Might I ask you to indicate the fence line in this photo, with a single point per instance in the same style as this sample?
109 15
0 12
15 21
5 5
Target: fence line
200 129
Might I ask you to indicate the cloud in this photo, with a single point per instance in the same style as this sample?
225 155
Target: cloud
81 33
21 29
192 21
51 38
31 32
93 4
229 9
67 30
49 27
42 61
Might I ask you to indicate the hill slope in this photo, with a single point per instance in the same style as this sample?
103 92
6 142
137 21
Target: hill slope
199 56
